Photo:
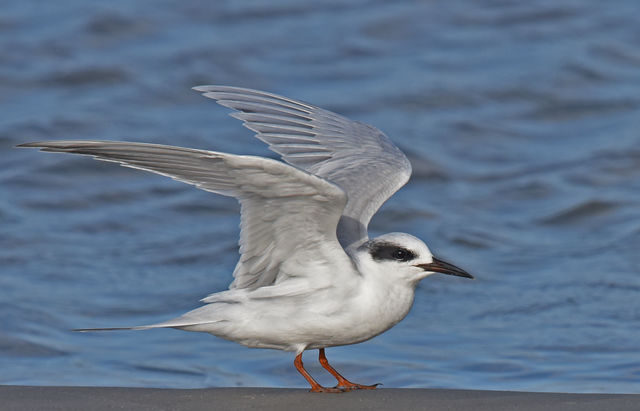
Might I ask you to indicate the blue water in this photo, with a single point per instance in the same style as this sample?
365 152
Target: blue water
521 119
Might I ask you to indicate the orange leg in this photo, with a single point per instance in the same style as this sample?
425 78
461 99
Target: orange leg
315 387
342 382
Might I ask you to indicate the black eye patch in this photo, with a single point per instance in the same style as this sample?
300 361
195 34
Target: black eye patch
388 251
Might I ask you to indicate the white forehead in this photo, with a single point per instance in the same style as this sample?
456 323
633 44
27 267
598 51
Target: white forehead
407 241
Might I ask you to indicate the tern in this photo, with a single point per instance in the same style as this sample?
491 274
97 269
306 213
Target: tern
309 277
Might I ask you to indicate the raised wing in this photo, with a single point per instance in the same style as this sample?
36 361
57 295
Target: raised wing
357 157
288 215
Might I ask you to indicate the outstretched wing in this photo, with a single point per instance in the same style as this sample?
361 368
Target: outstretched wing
357 157
288 215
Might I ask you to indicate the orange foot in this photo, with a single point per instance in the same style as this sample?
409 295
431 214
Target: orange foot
342 382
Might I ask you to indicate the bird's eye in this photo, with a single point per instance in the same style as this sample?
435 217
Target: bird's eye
400 254
384 252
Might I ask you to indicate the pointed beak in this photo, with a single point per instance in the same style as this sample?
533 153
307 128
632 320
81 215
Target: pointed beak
443 267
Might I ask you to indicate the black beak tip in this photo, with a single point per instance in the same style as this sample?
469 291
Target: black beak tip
440 266
461 273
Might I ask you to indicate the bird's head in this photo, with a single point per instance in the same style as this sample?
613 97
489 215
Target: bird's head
403 255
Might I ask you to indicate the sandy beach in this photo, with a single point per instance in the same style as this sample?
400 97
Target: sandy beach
108 398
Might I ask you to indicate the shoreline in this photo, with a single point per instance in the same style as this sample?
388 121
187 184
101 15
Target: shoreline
16 397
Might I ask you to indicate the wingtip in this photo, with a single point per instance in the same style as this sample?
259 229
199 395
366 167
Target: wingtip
29 145
213 88
209 87
51 146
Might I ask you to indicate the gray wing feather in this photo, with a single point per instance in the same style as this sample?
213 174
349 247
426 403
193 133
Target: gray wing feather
286 213
355 156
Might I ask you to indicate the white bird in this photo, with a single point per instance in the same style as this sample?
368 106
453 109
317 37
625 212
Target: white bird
308 276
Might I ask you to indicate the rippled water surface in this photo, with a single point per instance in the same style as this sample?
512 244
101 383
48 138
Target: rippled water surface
521 119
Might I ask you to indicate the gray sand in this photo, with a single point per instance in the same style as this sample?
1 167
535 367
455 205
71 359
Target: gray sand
94 398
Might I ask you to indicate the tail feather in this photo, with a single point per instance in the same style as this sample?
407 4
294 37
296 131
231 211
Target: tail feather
194 320
84 330
166 324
